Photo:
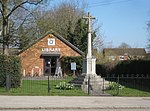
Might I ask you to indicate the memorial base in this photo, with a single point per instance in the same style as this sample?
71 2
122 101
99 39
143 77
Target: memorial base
89 66
94 85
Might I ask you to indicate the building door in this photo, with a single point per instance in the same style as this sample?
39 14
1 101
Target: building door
50 66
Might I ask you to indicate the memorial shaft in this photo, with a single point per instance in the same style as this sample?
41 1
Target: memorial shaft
89 18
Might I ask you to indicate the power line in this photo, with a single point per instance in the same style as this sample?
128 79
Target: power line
104 1
108 2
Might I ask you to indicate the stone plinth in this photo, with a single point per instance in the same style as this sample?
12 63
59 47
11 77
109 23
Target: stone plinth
89 66
94 85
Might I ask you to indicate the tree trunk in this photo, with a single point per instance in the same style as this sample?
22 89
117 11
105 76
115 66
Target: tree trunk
5 27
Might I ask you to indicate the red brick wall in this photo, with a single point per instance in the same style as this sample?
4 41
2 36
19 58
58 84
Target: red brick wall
32 63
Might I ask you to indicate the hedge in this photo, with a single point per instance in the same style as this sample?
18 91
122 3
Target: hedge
10 65
66 64
132 67
125 67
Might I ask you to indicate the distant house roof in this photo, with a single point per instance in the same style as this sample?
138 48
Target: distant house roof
124 51
57 36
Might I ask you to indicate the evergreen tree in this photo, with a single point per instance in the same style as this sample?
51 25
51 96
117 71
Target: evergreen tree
70 33
80 32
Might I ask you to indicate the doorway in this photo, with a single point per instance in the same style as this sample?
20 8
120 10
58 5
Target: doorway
50 64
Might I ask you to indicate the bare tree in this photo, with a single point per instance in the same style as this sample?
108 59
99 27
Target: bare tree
124 45
98 43
7 9
60 17
148 29
27 21
64 19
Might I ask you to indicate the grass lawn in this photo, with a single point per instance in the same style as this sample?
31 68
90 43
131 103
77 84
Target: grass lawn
129 92
40 87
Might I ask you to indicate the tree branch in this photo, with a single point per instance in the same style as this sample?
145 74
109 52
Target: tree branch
1 10
1 6
30 13
15 7
1 3
27 10
35 3
22 3
23 21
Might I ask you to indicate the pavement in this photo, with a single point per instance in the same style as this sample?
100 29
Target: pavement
74 103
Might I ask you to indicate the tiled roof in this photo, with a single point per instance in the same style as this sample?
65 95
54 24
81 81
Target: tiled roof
124 51
59 37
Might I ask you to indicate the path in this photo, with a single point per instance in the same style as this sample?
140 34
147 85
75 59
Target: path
65 103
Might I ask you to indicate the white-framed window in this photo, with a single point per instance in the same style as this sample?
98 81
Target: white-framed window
51 41
121 58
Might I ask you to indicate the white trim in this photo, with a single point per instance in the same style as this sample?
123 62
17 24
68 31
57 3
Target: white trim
24 72
32 72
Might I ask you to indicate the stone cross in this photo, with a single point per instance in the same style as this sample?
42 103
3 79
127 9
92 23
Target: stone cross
89 63
89 18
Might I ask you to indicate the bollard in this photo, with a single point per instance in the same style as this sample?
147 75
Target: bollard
89 85
118 85
8 82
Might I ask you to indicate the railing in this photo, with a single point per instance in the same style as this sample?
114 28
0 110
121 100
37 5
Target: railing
44 85
128 84
112 84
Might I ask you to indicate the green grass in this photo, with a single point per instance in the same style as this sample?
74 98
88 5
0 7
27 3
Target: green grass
40 87
129 92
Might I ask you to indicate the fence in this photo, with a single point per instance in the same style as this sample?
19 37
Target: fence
128 85
117 85
45 85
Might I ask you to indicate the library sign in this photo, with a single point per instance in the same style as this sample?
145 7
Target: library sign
51 42
50 49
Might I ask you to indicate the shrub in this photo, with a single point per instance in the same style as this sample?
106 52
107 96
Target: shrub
66 64
114 86
106 68
10 65
64 86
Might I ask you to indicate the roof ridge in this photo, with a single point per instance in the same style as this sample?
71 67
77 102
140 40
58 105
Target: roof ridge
57 36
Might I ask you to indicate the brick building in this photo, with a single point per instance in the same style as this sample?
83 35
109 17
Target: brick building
46 52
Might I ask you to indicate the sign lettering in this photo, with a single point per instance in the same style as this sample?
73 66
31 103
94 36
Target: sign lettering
51 49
